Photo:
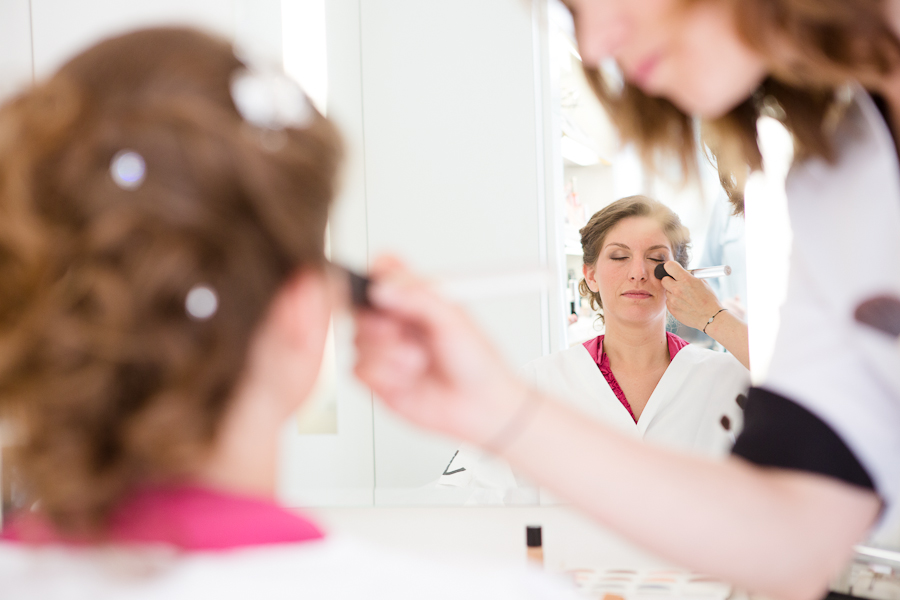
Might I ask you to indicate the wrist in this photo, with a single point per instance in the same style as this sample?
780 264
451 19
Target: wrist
519 406
716 318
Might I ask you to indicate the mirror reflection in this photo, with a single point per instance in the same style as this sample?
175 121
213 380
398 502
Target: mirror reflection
515 174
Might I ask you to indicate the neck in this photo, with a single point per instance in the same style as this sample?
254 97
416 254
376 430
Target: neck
641 346
244 458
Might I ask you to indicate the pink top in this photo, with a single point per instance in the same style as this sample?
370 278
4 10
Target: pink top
595 349
190 518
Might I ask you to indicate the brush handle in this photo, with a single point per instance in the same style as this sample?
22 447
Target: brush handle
702 273
462 288
711 272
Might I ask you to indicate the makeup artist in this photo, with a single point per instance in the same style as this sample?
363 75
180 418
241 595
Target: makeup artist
818 462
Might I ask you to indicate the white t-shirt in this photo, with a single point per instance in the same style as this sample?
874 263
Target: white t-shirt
846 248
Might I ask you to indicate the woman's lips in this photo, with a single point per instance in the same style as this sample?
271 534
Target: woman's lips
640 76
637 294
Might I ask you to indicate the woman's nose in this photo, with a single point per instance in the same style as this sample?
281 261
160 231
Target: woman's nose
601 30
638 271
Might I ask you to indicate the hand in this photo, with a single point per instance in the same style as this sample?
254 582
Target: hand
426 359
690 300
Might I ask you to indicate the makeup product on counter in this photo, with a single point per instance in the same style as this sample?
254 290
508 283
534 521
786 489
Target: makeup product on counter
534 543
461 288
701 273
623 584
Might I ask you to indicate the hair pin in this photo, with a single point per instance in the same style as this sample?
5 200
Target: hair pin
201 302
128 169
270 99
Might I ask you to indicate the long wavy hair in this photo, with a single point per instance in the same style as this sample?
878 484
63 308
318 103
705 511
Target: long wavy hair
832 42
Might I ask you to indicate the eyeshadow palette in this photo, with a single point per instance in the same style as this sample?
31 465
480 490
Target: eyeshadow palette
646 584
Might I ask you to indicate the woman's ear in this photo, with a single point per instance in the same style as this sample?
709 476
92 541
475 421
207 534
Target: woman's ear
287 352
302 309
588 272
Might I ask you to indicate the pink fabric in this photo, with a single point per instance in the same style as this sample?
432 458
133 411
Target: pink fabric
190 518
595 349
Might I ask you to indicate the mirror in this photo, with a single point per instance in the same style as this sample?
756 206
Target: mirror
473 146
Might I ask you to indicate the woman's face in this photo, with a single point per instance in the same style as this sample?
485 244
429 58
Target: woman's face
686 52
623 273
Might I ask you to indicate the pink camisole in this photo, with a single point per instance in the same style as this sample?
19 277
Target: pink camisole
191 518
595 349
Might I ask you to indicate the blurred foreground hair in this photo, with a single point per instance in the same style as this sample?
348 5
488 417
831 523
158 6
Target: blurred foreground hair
106 381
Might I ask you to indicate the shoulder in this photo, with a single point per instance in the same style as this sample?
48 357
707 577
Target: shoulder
864 149
573 355
711 359
559 370
718 374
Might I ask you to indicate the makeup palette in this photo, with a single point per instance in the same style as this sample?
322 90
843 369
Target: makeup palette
647 584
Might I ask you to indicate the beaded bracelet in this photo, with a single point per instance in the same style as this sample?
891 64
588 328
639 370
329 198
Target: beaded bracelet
708 323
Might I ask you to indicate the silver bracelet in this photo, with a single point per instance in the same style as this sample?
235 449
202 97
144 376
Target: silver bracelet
516 425
708 323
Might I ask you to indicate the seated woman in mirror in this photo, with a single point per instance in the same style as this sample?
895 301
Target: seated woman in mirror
164 309
637 376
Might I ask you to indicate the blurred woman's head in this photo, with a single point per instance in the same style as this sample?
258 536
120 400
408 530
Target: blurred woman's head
728 62
147 227
623 243
690 54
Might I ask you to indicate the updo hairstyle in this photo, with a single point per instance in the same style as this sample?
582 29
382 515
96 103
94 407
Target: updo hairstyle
106 381
594 234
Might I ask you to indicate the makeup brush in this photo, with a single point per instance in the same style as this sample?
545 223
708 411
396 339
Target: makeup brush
702 273
461 288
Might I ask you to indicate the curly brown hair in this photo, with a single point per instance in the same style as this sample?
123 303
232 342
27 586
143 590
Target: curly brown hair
598 227
105 381
831 43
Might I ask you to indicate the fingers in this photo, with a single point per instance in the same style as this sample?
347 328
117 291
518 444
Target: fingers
386 264
676 273
390 355
398 291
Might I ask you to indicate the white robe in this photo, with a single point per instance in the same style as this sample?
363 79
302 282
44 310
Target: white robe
845 221
684 412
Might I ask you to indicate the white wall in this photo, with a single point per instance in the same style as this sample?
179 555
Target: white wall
15 47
